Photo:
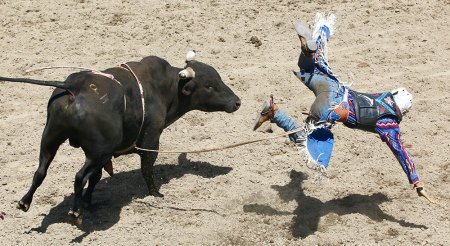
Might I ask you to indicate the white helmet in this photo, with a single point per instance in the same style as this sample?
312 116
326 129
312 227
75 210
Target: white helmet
403 99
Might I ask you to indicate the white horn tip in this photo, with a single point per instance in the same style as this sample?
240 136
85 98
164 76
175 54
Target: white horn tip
190 56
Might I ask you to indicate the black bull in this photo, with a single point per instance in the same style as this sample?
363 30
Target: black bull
106 116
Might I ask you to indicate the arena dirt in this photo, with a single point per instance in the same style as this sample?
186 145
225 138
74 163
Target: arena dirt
258 194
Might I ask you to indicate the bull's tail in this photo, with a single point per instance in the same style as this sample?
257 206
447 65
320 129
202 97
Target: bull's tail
58 84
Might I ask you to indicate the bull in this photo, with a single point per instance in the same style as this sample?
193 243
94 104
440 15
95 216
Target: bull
109 113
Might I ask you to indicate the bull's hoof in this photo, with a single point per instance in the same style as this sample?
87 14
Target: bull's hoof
156 193
76 217
23 206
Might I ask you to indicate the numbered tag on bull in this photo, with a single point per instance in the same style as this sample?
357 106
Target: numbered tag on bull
104 98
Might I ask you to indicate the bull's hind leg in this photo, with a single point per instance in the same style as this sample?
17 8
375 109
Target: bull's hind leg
87 193
90 171
50 142
93 180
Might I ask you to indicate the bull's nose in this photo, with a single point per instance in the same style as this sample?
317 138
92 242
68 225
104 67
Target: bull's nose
238 104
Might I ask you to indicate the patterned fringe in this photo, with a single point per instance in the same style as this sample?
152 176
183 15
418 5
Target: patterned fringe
302 147
321 20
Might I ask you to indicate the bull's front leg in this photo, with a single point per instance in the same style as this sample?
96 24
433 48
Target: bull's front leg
148 158
147 161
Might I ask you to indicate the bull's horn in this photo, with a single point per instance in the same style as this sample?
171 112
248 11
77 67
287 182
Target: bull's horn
190 56
187 73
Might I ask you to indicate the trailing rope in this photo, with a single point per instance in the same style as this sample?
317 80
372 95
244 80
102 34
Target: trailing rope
54 67
223 147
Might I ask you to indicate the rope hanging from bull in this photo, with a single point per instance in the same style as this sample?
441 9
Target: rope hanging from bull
222 147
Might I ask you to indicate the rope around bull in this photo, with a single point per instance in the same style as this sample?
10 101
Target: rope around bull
223 147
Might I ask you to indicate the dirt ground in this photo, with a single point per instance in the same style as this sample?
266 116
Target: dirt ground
257 194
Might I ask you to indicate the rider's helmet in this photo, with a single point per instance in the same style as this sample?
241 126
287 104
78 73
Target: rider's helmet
403 99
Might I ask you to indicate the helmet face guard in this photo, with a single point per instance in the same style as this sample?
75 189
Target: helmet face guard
403 99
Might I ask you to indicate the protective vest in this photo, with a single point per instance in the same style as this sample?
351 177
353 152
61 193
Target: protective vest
371 107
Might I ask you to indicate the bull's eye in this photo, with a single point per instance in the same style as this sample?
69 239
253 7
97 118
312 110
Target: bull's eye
209 87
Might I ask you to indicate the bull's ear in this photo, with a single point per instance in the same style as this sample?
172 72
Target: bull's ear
187 73
188 88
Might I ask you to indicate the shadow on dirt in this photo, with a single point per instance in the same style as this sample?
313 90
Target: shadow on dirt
113 193
310 209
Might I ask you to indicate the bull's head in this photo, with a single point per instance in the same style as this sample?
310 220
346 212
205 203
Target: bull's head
204 89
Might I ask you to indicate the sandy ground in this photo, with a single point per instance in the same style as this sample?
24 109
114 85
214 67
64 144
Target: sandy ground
258 194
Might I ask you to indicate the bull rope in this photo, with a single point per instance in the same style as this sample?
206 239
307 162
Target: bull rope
223 147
